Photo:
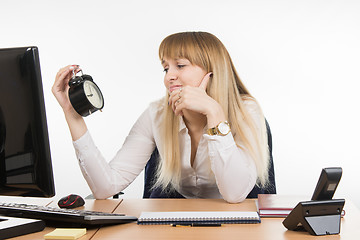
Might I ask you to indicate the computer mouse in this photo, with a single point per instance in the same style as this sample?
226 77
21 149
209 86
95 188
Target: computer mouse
71 201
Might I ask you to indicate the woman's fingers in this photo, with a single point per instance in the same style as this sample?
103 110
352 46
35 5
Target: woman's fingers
63 76
205 81
175 99
61 86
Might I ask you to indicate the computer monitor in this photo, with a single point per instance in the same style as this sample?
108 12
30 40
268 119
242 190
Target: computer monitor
25 160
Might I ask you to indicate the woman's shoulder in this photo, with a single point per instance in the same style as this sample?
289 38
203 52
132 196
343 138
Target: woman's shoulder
151 116
250 103
156 108
252 106
157 105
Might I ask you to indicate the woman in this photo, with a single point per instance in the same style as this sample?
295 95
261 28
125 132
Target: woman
200 157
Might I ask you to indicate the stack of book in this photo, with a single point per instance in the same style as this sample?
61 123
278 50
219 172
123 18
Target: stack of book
273 205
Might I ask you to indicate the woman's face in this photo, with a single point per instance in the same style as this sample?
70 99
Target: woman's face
180 73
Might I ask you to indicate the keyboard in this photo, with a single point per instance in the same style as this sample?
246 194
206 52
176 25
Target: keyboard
61 215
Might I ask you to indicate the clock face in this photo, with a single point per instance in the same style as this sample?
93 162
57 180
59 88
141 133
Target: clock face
93 94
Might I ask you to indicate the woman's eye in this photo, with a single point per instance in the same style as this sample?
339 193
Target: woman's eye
166 70
180 66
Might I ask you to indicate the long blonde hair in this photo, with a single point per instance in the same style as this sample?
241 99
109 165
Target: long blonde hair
205 50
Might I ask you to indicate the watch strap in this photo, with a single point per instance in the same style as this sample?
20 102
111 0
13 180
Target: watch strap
212 131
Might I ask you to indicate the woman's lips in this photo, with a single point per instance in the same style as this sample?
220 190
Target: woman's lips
172 88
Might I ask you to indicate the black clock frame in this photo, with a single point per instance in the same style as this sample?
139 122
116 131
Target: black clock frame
78 98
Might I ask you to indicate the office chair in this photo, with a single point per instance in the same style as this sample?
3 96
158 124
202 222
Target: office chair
150 169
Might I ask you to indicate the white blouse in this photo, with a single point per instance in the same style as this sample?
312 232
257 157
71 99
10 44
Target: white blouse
220 168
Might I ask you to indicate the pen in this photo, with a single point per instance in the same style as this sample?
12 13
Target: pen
197 225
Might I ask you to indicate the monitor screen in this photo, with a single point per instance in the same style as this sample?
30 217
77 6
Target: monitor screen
25 161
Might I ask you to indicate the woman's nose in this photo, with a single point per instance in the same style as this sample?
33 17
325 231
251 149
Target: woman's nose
171 75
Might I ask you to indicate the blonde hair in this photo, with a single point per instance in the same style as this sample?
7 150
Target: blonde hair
206 51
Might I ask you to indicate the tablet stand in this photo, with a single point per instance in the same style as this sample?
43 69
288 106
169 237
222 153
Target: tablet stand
316 217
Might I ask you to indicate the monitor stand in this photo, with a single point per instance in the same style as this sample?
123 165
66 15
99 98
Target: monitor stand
12 227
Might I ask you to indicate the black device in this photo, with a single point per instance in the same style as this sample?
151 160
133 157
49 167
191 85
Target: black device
316 217
328 181
25 160
71 201
85 96
64 217
321 215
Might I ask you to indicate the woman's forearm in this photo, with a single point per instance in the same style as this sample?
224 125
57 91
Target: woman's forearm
76 124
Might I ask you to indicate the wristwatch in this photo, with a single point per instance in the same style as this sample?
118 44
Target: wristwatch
221 129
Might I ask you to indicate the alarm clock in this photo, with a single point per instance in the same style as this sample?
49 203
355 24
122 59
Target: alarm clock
85 96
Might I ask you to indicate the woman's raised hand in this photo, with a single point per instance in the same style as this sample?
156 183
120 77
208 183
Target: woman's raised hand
196 99
60 89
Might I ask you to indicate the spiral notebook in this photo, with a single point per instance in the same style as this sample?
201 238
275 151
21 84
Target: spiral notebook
198 217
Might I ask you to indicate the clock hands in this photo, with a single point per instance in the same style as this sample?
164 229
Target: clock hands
91 94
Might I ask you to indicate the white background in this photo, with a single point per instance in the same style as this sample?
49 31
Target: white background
300 59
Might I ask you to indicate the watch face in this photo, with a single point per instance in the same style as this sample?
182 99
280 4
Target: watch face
224 128
93 94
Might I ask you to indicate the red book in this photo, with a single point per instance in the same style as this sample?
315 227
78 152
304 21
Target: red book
274 205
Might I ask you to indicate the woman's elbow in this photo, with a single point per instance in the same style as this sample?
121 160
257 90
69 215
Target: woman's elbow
104 193
101 196
238 193
231 199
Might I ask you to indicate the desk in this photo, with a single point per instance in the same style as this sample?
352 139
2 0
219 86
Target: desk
270 228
